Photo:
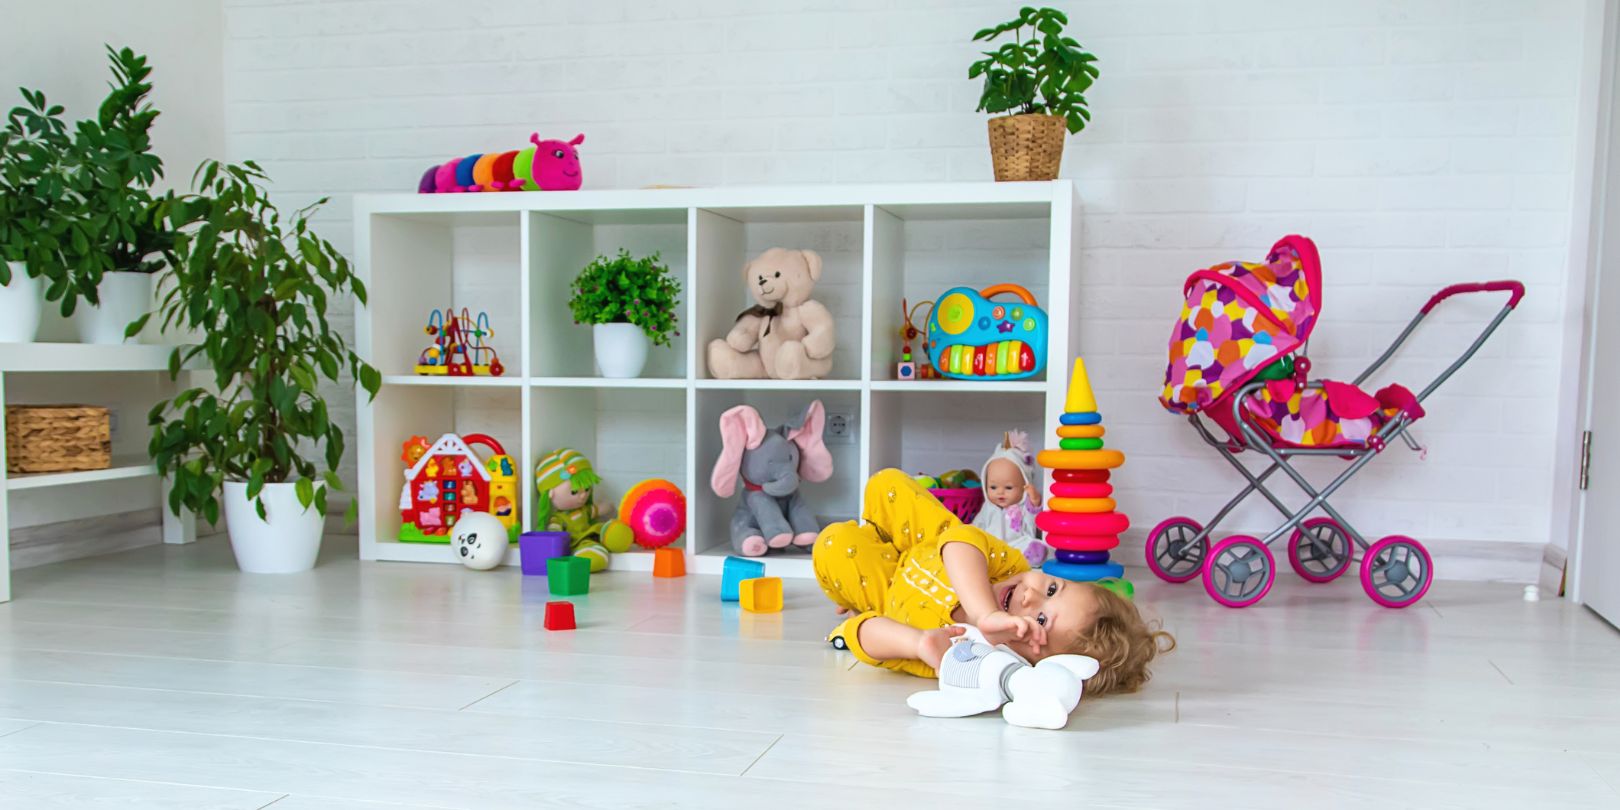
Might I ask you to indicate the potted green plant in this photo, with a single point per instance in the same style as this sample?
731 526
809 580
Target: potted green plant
117 236
630 303
33 186
1040 78
257 289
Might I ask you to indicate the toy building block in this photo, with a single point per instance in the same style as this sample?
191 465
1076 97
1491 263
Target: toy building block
905 371
568 576
669 562
761 594
535 549
559 616
736 571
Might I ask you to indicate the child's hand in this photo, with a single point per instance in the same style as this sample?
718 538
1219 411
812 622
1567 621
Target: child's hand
1001 627
1033 494
932 644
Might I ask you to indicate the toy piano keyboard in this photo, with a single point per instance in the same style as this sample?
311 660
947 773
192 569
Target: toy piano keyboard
975 338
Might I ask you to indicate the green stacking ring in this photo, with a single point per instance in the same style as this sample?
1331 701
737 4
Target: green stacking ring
1081 444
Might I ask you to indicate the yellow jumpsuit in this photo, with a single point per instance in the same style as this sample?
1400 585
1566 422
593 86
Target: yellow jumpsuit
892 567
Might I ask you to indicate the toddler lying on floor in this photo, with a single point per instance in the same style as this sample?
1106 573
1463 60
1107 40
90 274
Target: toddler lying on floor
913 570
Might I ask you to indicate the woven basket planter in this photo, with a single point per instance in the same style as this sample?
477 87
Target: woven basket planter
57 438
1027 147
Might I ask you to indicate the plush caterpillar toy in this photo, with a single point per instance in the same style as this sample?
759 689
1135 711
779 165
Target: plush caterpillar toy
547 166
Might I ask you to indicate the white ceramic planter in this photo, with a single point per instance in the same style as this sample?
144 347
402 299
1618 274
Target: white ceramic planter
621 349
286 544
124 297
20 304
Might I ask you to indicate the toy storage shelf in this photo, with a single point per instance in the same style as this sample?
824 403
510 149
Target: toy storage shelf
122 467
515 254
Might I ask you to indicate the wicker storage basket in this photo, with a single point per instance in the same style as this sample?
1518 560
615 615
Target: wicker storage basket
57 438
1027 147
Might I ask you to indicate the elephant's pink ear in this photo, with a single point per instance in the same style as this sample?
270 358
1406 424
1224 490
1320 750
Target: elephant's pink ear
813 259
815 463
740 429
578 139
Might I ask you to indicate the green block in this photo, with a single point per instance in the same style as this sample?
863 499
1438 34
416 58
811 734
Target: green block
1080 444
568 576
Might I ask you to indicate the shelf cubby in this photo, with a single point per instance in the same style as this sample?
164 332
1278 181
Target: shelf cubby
516 255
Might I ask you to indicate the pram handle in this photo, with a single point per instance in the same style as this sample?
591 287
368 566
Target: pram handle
1514 287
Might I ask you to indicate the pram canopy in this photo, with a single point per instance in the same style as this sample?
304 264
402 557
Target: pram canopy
1239 318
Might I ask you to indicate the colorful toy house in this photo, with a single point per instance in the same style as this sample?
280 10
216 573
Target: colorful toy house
446 478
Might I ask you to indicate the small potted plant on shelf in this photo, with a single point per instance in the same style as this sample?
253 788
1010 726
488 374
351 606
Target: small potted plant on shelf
33 146
1041 78
117 235
630 303
257 288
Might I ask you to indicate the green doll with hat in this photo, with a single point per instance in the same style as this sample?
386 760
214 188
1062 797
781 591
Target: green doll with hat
566 484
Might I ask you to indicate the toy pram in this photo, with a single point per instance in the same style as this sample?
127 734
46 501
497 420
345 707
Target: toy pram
1237 359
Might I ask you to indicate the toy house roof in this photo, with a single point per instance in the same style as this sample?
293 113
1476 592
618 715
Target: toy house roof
448 445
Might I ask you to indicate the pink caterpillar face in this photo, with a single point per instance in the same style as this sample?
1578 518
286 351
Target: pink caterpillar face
556 163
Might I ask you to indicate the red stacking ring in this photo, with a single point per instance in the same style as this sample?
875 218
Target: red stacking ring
1071 523
1082 542
1080 476
1062 490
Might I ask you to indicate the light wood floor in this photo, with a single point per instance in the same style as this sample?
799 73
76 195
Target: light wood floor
163 678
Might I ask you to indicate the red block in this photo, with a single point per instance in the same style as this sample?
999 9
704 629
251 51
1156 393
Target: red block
559 615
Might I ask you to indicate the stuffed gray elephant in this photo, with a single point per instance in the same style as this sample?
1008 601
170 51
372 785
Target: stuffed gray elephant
771 463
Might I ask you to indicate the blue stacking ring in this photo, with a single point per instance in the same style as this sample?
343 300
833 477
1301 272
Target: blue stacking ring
1082 557
1083 573
1087 418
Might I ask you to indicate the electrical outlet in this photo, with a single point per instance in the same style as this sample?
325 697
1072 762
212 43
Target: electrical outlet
840 429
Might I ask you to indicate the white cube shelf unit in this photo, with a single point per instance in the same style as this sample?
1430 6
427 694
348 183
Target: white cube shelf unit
514 255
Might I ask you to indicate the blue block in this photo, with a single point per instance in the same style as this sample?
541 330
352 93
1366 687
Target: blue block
1083 573
1087 418
736 570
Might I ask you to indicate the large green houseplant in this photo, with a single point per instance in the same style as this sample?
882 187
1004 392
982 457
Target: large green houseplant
33 188
257 288
629 302
1040 79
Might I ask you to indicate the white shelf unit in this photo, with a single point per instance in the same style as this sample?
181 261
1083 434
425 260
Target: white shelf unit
515 254
128 378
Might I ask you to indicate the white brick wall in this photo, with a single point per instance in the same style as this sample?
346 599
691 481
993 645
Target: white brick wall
1420 142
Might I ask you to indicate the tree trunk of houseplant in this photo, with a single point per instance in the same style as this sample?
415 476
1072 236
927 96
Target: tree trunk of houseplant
125 296
285 543
1027 147
20 305
621 349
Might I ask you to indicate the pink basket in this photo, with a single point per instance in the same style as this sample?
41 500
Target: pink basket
964 503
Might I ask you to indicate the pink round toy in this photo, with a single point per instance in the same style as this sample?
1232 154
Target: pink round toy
655 510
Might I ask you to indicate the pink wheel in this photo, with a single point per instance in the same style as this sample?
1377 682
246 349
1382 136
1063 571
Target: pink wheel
1320 550
1171 553
1239 572
1396 571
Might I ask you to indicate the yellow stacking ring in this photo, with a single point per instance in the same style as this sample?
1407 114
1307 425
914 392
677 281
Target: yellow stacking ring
1080 432
1104 459
1081 505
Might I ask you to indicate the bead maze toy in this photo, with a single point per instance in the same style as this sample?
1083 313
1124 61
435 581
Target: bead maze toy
446 478
909 368
458 348
1080 521
548 165
974 338
655 510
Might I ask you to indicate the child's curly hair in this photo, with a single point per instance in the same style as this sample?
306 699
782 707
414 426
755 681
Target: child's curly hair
1122 642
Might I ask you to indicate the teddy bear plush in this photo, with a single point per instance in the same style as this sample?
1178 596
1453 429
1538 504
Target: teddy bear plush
786 335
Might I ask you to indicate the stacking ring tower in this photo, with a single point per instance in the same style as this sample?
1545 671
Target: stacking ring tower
1080 521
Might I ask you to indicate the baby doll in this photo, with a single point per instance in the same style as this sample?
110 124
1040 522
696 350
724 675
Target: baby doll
1012 499
566 483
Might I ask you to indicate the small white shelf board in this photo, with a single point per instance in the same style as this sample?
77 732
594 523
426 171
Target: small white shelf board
516 254
20 362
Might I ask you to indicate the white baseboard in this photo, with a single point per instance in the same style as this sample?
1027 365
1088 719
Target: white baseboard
86 537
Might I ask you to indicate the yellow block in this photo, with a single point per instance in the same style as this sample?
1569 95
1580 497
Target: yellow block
1080 398
1079 505
761 594
1080 432
1104 459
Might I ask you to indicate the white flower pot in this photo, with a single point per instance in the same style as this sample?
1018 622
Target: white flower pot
286 544
20 304
124 297
621 349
